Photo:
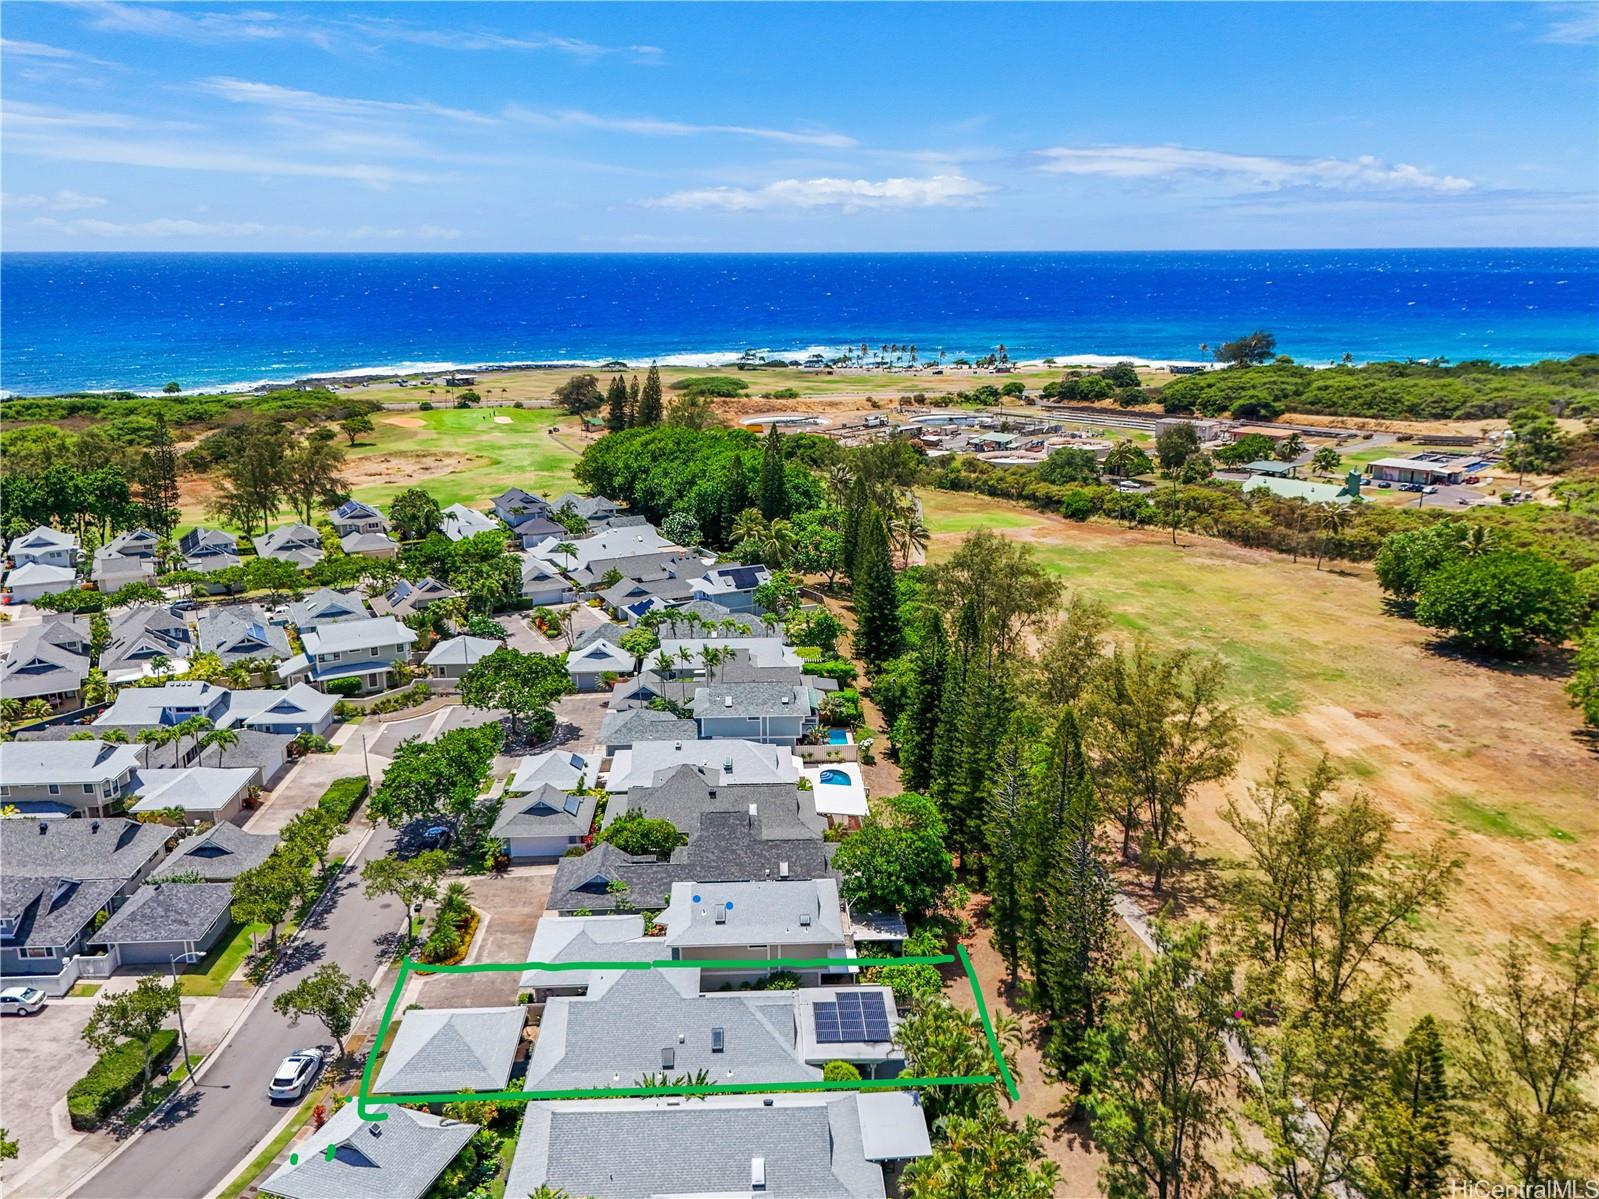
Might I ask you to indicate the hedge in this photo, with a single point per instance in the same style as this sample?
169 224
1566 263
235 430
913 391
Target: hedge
114 1079
343 796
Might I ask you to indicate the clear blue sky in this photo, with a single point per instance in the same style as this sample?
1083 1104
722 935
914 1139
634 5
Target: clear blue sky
798 127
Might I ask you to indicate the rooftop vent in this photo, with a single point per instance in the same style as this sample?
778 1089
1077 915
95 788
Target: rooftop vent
727 763
718 1040
721 915
757 1173
678 746
44 827
782 870
805 919
668 1058
94 826
727 701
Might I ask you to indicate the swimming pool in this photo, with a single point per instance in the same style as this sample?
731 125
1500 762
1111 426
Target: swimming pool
838 737
836 777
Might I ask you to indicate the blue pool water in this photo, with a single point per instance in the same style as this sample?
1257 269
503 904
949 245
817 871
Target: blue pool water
836 777
102 321
838 736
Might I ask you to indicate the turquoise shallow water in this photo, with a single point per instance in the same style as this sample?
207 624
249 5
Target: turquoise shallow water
95 321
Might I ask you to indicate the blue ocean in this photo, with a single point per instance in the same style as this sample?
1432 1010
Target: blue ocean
102 321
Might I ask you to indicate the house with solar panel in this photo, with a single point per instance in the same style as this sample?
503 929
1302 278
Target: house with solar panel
731 586
241 635
326 606
297 544
353 516
541 825
208 550
528 516
634 1024
406 598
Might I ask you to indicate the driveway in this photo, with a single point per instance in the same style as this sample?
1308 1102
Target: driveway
510 907
41 1056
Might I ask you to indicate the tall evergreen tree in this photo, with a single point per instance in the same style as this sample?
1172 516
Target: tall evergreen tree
158 480
947 742
1081 942
1060 781
632 401
772 489
738 495
1412 1118
616 404
854 505
648 411
985 711
916 730
878 636
1005 832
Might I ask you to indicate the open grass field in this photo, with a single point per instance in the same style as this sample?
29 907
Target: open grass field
1490 757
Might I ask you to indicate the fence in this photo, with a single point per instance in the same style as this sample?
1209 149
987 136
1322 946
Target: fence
58 984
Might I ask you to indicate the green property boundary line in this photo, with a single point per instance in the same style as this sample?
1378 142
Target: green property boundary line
367 1101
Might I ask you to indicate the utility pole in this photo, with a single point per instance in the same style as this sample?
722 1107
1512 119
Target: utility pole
183 1035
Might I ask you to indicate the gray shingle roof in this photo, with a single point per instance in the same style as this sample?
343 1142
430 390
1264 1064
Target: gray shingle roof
79 848
239 634
810 1147
749 700
64 763
461 651
326 605
52 910
757 913
398 1158
452 1049
684 797
222 852
644 724
37 666
357 634
547 811
167 912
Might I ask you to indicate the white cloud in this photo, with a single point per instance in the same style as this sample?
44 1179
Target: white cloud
850 195
19 115
482 39
61 201
1574 25
186 229
1253 171
275 96
41 50
655 127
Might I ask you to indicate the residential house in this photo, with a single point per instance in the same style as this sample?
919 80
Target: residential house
163 921
563 769
144 637
327 606
763 652
90 778
663 566
169 704
758 922
406 598
444 1050
458 522
620 729
288 713
242 635
204 794
56 877
353 516
683 797
812 1146
528 516
616 543
772 713
27 583
352 649
370 545
633 1023
544 823
566 940
595 655
728 762
351 1158
44 546
219 854
127 558
543 585
733 587
454 656
590 507
49 662
208 550
298 544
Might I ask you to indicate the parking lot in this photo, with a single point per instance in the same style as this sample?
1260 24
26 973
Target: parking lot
43 1055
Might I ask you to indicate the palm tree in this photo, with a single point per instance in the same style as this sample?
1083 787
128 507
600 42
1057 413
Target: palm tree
1475 541
155 737
663 663
223 739
749 525
709 657
1332 518
909 536
38 709
777 542
569 549
839 479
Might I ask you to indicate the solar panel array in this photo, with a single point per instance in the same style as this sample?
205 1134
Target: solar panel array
852 1017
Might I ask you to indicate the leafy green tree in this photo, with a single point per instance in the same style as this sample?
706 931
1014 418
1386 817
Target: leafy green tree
1412 1119
616 404
519 683
648 409
896 861
635 833
412 881
310 834
1250 350
1251 447
983 1156
1126 460
941 1040
1011 594
252 477
353 426
312 473
172 388
331 996
1159 725
878 635
1071 652
8 1146
771 488
1501 603
135 1015
441 778
1530 1045
1405 559
681 528
1538 446
415 514
1159 1076
267 893
1325 461
1584 684
580 395
1069 465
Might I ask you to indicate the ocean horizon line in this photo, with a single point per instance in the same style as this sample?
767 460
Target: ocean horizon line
444 252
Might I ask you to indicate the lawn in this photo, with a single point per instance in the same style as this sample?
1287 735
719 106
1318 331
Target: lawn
1488 757
207 976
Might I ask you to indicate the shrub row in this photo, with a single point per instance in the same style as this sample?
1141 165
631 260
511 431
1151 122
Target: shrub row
114 1079
343 796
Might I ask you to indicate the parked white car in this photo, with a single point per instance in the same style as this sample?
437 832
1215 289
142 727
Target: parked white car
21 1001
295 1074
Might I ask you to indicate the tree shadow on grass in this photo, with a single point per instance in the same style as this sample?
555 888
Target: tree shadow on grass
1544 663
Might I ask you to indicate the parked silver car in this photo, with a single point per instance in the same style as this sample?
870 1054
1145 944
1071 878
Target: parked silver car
21 1001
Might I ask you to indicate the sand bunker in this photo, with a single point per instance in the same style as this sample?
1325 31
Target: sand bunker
406 422
502 420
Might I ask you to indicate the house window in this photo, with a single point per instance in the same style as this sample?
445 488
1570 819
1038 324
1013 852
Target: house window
332 657
38 951
88 788
55 789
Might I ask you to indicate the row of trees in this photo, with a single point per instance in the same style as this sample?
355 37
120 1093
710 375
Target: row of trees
258 470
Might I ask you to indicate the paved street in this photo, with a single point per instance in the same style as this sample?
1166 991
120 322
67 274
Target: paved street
205 1136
